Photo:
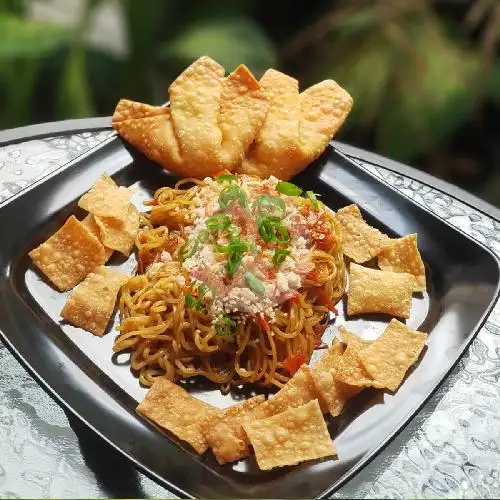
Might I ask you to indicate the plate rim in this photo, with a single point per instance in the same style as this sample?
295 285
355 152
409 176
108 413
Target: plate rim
362 462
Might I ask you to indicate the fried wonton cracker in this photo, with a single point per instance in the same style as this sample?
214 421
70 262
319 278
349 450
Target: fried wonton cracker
243 109
374 291
350 371
361 242
172 408
106 199
91 305
323 109
151 131
209 125
119 237
277 145
352 339
333 393
298 127
388 358
69 255
402 256
297 391
294 436
90 223
224 432
195 102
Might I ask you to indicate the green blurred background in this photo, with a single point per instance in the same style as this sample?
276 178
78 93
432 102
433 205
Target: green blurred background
425 76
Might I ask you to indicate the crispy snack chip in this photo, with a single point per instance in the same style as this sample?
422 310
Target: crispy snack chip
106 199
119 237
323 109
402 256
69 254
352 339
172 408
277 145
209 125
298 127
374 291
388 358
224 432
350 371
296 435
243 108
298 391
195 102
328 357
90 223
333 394
361 242
92 303
150 130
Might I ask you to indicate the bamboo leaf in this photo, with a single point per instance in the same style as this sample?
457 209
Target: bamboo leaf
74 96
25 38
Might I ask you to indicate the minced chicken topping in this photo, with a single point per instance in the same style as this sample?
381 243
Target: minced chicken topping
249 248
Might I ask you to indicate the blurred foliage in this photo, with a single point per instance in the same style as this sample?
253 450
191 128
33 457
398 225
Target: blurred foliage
425 76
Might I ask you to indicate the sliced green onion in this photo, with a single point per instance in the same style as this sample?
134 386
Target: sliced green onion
226 178
235 245
281 234
193 302
288 188
314 199
254 283
185 252
218 222
203 235
279 256
233 230
233 262
225 327
270 205
272 229
230 194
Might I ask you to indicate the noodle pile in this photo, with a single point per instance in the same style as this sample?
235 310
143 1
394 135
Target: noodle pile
167 337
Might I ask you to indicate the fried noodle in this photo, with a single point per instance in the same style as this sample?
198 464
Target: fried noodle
166 337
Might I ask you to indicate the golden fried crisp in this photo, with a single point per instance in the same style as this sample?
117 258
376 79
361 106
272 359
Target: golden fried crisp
172 408
224 432
374 291
296 435
119 237
297 391
361 242
106 199
388 358
195 103
90 223
333 393
352 339
402 256
69 254
277 145
298 127
91 305
350 371
150 130
243 109
209 126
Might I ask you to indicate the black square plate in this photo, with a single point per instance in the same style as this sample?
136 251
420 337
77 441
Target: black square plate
81 373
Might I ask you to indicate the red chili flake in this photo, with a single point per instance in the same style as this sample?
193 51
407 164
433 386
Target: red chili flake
325 300
318 330
294 362
263 323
